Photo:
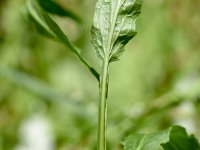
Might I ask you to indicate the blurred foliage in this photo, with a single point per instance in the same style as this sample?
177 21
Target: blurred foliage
156 83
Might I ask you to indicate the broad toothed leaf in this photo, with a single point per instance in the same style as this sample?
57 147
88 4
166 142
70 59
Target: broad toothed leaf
113 26
173 138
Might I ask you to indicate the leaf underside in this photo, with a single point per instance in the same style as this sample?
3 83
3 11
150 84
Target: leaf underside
113 26
173 138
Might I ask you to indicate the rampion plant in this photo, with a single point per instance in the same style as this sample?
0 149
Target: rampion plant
114 25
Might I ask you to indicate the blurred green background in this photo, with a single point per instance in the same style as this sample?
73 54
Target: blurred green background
49 100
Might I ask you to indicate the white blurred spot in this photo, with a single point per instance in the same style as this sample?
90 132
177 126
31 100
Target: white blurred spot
35 134
184 115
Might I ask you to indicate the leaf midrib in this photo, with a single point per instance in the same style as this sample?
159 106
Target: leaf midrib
141 143
112 52
108 49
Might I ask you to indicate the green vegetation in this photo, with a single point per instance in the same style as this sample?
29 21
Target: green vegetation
46 94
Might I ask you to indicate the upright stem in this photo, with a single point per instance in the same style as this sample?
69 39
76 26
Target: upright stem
103 91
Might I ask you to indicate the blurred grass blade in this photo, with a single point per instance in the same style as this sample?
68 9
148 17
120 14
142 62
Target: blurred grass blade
173 138
41 89
52 7
44 22
33 84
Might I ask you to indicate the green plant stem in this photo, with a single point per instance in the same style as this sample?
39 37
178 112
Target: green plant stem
103 90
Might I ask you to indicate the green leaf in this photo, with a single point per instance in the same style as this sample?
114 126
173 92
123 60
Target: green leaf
52 7
173 138
179 140
44 22
51 29
113 26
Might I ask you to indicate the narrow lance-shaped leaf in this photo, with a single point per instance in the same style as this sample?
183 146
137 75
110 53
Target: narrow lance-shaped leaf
44 22
52 7
50 28
113 26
